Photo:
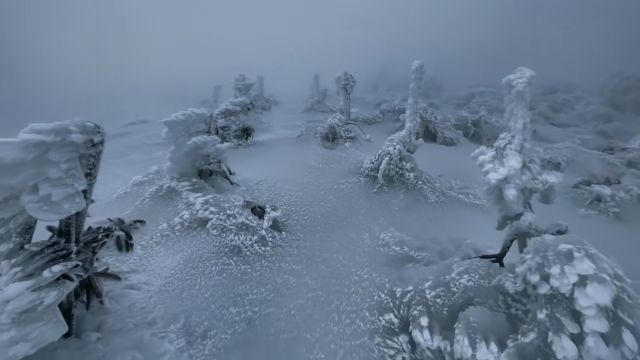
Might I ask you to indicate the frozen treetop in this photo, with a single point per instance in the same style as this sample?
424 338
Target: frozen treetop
44 161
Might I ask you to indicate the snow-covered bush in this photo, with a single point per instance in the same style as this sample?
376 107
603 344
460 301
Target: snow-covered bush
195 150
232 121
339 127
512 169
317 100
565 300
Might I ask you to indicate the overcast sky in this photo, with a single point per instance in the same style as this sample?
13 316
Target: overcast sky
101 59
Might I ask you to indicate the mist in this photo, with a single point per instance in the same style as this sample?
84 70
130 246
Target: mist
99 60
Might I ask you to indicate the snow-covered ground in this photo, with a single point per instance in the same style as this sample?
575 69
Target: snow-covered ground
312 293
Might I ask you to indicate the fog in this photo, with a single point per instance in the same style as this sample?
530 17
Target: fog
101 59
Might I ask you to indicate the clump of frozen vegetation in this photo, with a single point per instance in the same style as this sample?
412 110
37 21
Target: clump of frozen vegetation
317 100
197 189
513 171
195 150
394 164
54 168
340 127
564 300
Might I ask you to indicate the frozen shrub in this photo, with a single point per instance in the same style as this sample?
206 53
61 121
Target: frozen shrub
339 127
196 152
317 100
513 171
232 121
565 300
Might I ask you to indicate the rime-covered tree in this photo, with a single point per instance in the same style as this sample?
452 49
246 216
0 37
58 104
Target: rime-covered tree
513 171
339 127
54 168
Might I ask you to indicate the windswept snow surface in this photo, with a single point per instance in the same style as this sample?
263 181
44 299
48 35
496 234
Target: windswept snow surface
311 294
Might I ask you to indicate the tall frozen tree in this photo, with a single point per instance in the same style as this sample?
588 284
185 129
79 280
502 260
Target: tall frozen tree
513 172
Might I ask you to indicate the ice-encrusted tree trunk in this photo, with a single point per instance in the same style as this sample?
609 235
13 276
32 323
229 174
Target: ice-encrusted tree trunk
513 172
51 166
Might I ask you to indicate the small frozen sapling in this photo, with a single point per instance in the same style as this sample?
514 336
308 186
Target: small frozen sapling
339 127
513 172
